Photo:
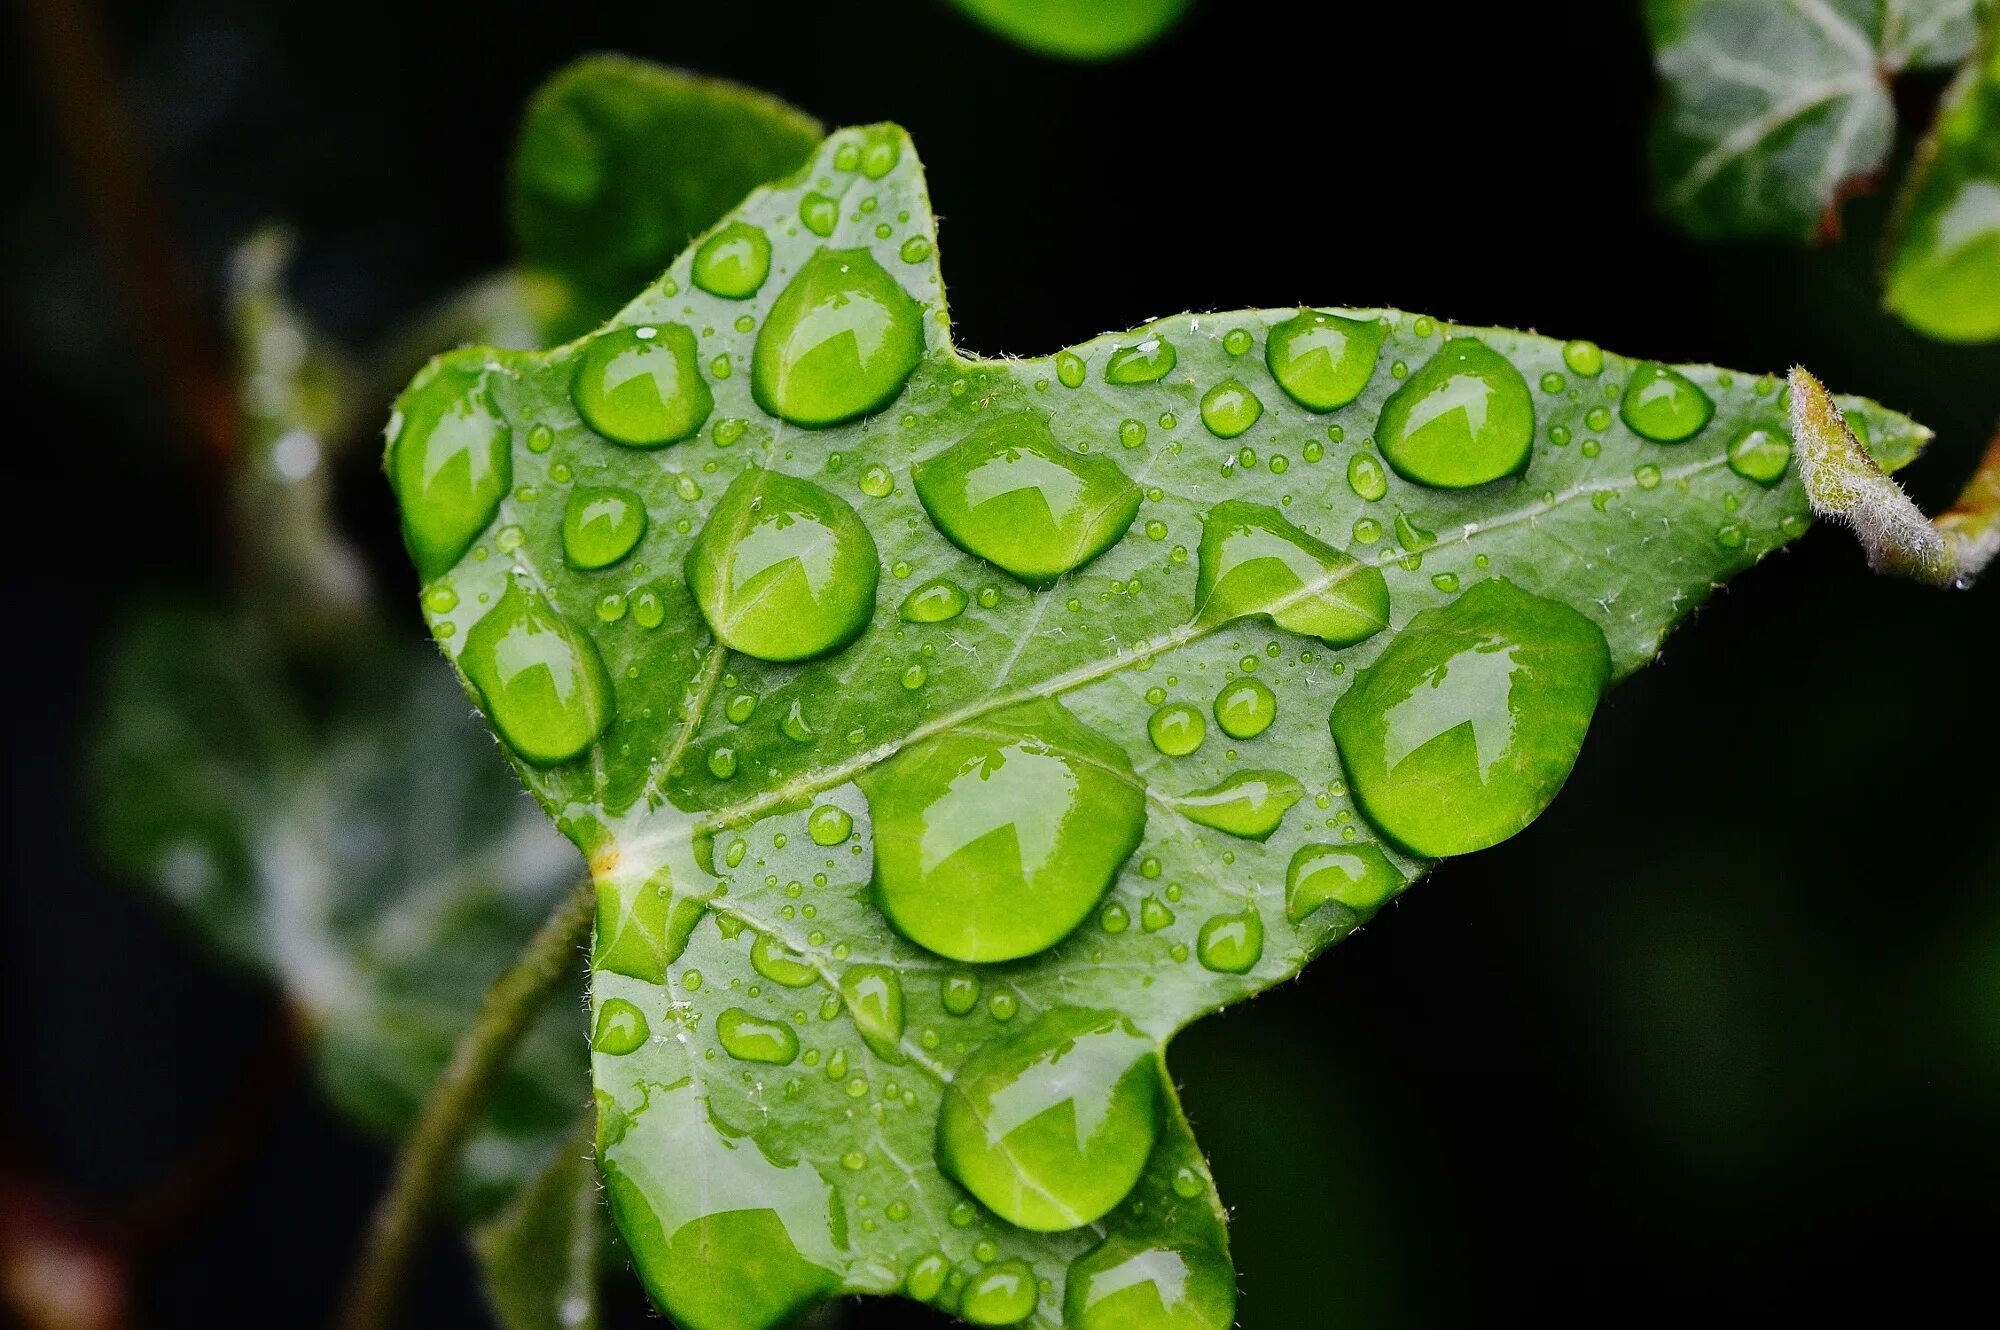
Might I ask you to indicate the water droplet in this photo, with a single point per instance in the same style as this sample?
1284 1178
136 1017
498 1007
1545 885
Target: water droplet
1583 358
1146 361
1647 475
1761 455
1114 918
1731 536
1323 361
541 680
1002 1295
936 601
1229 408
601 526
783 570
1010 494
829 824
780 964
750 1038
1237 341
1663 405
994 841
541 438
1069 369
1245 708
621 1027
820 214
1177 730
915 250
795 726
1249 804
959 992
1253 563
1231 943
840 341
874 998
1002 1005
1357 876
926 1278
1462 731
722 763
1050 1127
733 262
1464 419
641 386
1128 1283
451 464
1153 915
880 153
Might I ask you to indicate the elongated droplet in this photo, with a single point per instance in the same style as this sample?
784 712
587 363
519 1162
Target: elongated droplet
1461 732
1231 943
994 841
935 601
641 386
1664 405
751 1038
1010 494
1050 1127
1464 419
1126 1283
1357 876
1249 804
621 1027
1256 564
541 680
840 341
1323 361
601 526
733 262
450 462
783 570
874 998
780 964
1146 361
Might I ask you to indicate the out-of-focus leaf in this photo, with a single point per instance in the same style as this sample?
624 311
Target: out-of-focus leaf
371 854
1944 259
541 1253
945 734
1077 29
620 162
1775 108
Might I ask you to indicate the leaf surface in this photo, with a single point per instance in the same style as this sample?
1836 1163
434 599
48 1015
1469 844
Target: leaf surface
945 733
1944 259
1774 108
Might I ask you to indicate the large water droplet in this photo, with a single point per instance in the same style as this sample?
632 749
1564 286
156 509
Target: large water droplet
936 601
541 679
1323 361
641 386
1146 361
1229 408
1357 876
450 462
1761 454
1461 732
1010 494
749 1037
1128 1284
783 570
1664 406
1249 804
1050 1127
1255 563
601 526
995 840
1003 1294
840 341
1231 943
874 998
733 262
1464 419
780 964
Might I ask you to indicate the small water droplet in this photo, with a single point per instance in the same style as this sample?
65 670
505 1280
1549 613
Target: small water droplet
830 824
750 1038
1177 730
733 262
1231 943
601 526
1761 455
1664 405
1229 408
1146 361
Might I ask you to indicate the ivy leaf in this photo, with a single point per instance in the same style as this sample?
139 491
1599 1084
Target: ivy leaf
375 860
1774 109
1077 29
540 1254
1944 256
944 734
620 163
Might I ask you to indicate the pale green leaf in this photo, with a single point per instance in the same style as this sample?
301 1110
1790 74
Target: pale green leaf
540 1254
953 845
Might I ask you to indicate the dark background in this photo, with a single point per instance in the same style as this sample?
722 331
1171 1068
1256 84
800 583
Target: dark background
1718 1036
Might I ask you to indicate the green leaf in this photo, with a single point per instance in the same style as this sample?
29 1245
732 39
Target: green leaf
1774 109
1944 258
1077 29
957 730
540 1254
370 854
621 162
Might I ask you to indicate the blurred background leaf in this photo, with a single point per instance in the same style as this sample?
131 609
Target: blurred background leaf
1077 29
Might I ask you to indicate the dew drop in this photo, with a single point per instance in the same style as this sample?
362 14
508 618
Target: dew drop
1663 405
1249 804
840 341
1231 943
1146 361
1245 708
451 464
733 262
1323 361
1464 419
1229 408
1177 730
541 680
1761 455
750 1038
601 526
1357 876
621 1028
641 386
936 601
829 824
1255 564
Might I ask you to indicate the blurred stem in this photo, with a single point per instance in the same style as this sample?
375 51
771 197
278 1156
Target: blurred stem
454 1106
103 146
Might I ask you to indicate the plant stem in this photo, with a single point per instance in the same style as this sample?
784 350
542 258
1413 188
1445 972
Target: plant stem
453 1108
